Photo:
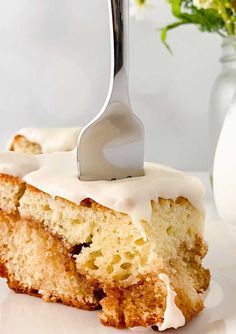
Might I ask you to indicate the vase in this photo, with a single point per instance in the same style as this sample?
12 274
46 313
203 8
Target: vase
223 137
221 95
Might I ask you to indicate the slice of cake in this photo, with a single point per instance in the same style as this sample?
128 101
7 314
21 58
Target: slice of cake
44 140
132 247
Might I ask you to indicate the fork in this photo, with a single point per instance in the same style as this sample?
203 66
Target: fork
111 146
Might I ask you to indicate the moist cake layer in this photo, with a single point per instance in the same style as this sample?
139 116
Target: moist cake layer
37 263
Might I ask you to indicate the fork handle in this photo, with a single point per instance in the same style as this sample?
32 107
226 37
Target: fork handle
119 16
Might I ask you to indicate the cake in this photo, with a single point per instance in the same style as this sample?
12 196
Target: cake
44 140
132 248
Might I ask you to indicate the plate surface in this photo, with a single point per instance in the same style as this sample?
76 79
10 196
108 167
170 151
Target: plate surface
20 314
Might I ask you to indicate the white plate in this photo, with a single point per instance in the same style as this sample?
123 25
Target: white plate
20 314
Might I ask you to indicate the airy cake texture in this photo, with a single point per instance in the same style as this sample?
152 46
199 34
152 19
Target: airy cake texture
21 144
91 256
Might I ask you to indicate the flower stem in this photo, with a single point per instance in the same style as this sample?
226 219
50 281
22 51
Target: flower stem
225 16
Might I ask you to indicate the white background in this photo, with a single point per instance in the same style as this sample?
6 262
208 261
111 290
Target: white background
54 70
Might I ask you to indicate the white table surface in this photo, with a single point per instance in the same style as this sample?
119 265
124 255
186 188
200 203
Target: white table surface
20 314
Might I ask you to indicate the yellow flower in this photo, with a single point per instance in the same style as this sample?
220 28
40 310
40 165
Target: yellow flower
139 8
204 4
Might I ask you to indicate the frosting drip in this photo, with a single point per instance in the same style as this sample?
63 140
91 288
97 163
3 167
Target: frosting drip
173 317
56 174
51 139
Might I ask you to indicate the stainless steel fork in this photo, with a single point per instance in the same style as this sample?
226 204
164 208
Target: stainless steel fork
111 146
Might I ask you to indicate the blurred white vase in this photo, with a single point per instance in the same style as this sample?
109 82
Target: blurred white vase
224 171
222 94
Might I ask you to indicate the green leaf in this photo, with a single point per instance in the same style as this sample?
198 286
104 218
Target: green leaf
208 20
165 30
164 38
176 8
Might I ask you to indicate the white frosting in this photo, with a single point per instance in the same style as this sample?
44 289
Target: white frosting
173 317
51 139
56 174
17 164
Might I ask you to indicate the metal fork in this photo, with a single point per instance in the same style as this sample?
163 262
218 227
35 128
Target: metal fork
111 146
